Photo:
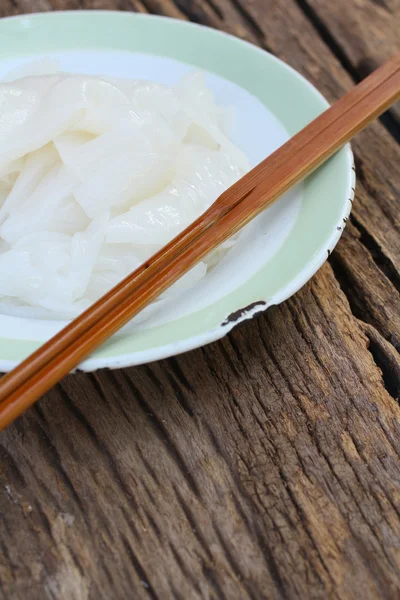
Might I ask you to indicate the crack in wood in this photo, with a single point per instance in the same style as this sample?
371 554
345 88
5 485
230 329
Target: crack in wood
217 11
344 278
140 571
176 368
382 261
254 27
369 492
162 7
385 355
199 12
386 359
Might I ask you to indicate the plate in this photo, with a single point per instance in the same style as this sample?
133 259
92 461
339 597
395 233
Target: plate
278 252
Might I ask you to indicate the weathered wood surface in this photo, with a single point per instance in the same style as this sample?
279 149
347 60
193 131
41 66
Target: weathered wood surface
362 33
266 465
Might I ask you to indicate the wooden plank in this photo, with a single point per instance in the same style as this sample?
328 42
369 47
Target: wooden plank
266 465
262 466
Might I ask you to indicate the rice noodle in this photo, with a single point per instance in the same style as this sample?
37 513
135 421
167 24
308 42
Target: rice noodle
96 175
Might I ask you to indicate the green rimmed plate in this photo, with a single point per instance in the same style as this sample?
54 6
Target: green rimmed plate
279 251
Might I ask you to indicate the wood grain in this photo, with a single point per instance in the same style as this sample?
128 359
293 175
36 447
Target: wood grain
362 34
266 465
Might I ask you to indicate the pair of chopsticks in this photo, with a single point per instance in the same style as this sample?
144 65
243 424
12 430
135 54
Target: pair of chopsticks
259 188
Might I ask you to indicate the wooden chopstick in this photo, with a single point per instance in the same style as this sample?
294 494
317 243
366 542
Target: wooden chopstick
232 210
262 171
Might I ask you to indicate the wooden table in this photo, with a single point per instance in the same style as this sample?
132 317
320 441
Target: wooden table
266 465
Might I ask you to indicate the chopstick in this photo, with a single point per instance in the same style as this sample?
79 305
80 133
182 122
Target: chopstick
232 210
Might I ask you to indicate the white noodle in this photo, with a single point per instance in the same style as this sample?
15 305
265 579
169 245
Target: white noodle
97 174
